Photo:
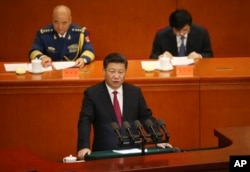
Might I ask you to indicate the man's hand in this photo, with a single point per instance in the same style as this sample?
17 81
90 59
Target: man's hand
164 145
194 55
81 153
46 61
80 62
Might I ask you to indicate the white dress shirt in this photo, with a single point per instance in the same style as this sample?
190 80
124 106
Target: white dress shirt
119 96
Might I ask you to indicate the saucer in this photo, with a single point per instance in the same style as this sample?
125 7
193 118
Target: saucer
167 69
36 72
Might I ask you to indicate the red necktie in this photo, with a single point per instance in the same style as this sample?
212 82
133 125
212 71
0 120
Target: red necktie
117 109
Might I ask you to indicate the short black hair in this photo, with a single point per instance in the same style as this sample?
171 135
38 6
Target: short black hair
115 58
179 18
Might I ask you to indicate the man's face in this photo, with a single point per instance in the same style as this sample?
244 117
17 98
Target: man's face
183 31
114 74
61 22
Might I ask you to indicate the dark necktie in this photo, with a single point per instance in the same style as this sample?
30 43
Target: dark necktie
117 109
182 47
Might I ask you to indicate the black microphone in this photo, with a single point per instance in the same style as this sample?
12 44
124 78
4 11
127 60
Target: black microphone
127 128
162 125
139 127
116 128
150 125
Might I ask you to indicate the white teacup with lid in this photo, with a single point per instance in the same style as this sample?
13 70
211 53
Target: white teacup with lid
165 64
36 66
69 159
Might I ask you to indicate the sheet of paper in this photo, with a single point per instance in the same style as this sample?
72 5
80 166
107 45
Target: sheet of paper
177 61
129 151
153 64
63 65
12 66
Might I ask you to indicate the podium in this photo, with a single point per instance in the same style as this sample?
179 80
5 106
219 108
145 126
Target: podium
115 154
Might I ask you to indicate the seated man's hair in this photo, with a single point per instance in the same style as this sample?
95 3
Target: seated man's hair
179 18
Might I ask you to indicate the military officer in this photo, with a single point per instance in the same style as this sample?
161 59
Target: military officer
62 41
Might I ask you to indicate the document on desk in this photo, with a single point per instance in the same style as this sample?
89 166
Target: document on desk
11 67
175 61
152 64
129 151
180 61
63 65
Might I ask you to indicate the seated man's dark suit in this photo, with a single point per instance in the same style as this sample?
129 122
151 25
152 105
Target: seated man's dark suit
198 40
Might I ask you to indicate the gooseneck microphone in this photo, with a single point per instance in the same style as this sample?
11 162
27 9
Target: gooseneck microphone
162 125
116 128
139 127
150 126
127 127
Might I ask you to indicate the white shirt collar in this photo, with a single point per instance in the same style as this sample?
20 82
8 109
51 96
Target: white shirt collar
179 36
110 90
62 36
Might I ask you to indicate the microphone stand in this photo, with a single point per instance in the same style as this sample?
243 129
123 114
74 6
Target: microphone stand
143 144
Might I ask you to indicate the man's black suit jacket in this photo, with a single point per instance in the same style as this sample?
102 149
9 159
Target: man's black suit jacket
97 109
198 40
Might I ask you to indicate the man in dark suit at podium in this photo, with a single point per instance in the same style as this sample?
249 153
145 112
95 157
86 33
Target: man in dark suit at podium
98 109
182 38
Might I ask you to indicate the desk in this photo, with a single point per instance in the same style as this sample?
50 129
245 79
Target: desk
224 95
232 141
41 112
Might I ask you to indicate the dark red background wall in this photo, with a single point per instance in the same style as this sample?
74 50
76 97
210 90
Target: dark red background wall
126 26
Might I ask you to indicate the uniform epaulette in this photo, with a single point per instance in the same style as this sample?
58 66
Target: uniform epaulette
78 29
42 31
